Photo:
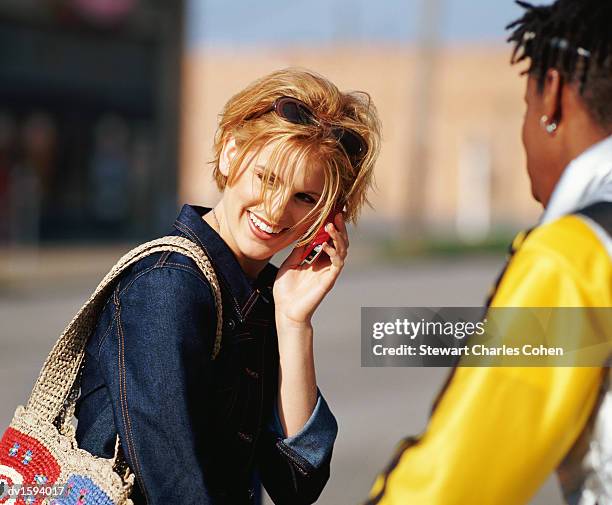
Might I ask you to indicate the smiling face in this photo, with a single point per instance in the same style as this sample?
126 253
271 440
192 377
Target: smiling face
253 233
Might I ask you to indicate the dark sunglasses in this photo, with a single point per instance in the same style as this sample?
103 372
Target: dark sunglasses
297 112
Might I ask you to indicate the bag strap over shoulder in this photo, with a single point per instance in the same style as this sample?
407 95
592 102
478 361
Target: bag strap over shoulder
51 393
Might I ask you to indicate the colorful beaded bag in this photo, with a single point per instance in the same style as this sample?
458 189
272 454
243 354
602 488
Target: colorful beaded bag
40 462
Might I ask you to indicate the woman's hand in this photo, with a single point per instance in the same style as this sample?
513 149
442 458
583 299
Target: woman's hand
298 290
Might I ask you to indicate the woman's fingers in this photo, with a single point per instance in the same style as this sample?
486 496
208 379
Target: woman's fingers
340 243
336 259
338 251
341 226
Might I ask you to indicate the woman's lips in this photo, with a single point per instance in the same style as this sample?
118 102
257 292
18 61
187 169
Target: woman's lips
259 233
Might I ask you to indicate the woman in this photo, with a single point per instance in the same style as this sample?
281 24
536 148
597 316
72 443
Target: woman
290 150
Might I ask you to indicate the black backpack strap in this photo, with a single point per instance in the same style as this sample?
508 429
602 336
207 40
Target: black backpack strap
600 213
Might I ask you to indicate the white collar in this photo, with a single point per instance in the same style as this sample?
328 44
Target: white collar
586 180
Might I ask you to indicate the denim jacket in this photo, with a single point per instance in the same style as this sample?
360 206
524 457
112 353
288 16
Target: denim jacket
193 429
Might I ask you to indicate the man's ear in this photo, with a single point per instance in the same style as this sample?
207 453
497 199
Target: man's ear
228 152
552 94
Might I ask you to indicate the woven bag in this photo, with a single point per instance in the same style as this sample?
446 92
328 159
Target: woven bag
40 462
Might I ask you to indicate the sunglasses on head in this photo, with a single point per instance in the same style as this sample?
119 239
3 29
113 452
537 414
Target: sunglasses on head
297 112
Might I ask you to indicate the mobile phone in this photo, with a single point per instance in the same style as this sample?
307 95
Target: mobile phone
315 246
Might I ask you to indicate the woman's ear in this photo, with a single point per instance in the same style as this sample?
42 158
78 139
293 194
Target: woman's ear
228 152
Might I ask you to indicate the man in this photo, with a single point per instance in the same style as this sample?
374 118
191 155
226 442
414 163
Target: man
496 433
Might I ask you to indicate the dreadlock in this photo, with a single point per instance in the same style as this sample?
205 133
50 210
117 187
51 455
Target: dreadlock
575 38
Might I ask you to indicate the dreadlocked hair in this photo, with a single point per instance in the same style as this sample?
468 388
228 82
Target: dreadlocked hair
573 37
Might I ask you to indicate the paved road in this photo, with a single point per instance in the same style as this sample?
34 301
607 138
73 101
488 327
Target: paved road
374 407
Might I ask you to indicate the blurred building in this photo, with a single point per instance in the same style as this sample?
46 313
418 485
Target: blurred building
89 116
92 146
472 176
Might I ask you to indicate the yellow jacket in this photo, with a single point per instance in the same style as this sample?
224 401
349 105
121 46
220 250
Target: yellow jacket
497 433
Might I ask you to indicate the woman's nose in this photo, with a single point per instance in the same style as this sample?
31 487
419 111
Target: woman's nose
281 212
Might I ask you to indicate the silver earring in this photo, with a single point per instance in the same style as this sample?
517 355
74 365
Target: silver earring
549 127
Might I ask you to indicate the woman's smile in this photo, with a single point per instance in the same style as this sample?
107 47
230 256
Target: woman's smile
262 229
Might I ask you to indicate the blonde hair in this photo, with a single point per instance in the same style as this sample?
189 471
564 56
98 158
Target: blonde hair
244 118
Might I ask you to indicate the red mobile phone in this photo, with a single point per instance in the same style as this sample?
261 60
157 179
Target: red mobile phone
315 247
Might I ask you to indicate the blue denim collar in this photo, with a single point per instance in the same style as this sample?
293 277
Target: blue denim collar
243 291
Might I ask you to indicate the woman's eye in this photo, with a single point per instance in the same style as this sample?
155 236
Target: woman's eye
260 177
305 198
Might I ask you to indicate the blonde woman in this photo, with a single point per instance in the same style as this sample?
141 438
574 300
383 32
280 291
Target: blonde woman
290 150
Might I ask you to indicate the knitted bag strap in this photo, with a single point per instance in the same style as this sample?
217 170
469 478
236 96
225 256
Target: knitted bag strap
50 394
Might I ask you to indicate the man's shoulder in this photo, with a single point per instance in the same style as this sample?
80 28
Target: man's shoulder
561 263
571 237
